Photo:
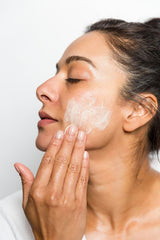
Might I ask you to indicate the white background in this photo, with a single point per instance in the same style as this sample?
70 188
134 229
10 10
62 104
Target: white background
33 35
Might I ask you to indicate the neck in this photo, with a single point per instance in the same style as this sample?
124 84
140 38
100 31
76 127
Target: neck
116 187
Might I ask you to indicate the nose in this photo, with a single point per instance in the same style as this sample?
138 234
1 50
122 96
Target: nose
48 91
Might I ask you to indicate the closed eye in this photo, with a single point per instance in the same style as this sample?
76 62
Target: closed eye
73 80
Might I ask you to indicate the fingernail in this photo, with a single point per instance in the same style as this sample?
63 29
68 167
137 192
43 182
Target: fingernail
59 134
72 130
85 159
81 135
85 155
17 169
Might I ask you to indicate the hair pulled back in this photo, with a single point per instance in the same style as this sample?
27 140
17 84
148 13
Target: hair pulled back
136 47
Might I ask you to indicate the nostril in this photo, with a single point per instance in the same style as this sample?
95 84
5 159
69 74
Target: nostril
47 95
44 97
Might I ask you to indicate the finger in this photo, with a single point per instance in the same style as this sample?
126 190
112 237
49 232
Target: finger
75 165
62 159
46 165
27 179
81 189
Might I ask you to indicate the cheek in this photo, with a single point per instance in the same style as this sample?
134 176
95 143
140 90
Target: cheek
86 114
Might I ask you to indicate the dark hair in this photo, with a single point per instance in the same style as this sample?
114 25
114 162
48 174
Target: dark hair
136 48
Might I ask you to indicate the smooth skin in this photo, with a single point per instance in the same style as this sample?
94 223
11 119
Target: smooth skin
122 201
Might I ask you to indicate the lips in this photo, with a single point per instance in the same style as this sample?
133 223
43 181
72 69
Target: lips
45 119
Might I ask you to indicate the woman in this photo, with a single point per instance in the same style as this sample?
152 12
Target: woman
99 121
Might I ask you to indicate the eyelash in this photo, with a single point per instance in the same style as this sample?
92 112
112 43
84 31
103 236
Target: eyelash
73 80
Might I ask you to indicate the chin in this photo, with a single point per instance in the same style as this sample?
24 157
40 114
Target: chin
42 143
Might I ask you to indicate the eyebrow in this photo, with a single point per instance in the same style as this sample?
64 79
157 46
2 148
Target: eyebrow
77 58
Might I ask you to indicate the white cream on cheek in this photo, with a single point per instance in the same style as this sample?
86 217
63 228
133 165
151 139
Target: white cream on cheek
86 115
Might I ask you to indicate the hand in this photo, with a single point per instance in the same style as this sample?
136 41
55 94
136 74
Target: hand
55 201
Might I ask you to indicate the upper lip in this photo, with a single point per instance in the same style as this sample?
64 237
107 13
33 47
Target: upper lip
44 115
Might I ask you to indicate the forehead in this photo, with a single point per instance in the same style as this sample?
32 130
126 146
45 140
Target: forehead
91 45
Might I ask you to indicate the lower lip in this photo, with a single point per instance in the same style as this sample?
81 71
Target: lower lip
45 122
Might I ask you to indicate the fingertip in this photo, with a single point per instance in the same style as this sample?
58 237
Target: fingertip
85 155
17 168
20 168
24 171
85 159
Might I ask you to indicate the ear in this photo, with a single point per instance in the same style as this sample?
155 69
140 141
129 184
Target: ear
137 114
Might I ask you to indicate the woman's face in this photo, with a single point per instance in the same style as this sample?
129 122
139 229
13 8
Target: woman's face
84 92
